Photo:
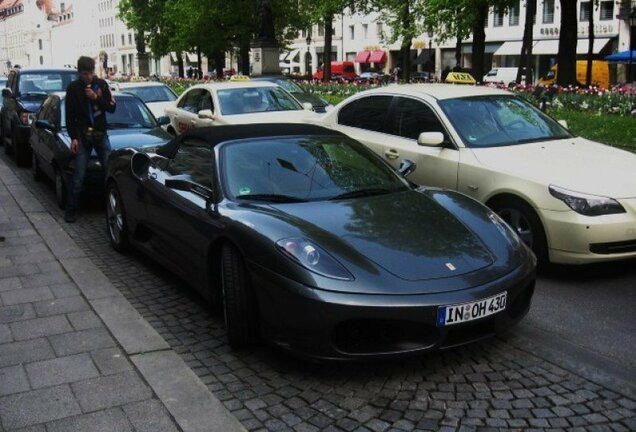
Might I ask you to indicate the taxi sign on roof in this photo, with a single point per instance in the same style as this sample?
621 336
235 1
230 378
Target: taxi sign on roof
239 78
460 78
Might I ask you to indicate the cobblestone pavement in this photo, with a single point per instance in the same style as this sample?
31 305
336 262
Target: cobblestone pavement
488 386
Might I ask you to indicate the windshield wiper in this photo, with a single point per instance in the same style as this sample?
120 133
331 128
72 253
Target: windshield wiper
362 193
538 139
35 93
272 197
117 125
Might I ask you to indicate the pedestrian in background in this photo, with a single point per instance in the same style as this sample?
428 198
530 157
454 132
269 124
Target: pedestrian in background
88 98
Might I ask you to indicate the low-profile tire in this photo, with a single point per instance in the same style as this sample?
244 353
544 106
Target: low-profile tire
239 301
38 174
21 153
524 221
61 192
116 226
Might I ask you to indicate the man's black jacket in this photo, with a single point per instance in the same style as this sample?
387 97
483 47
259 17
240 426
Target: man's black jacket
77 107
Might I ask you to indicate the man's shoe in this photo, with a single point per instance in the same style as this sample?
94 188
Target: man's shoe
69 216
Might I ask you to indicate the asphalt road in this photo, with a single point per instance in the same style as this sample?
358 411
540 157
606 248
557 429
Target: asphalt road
592 307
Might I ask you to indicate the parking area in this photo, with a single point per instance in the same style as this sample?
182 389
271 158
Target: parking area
499 384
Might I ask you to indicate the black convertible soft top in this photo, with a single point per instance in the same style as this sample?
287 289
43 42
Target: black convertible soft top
218 134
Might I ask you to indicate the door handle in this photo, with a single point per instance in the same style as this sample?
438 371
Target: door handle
391 154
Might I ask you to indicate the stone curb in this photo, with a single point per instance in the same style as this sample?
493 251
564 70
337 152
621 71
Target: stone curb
187 399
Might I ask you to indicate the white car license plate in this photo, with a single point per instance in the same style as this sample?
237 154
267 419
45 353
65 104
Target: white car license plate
461 313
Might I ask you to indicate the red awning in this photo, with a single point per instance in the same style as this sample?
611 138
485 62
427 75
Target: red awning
363 57
378 57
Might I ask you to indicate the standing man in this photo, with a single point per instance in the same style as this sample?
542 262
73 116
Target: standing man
87 100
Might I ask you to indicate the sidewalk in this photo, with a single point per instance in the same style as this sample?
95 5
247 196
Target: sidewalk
74 354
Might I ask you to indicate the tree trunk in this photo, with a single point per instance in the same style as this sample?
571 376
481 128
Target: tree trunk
566 58
244 58
180 63
406 43
479 40
526 50
219 63
326 71
199 69
458 52
590 49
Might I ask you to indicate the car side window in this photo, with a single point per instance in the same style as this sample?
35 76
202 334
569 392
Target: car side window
370 113
206 101
193 161
191 101
412 117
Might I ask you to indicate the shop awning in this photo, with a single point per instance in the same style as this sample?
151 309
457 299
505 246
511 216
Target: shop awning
509 48
173 57
378 56
546 47
290 56
363 57
622 57
489 48
583 44
192 58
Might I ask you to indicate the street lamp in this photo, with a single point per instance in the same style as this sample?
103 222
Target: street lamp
308 54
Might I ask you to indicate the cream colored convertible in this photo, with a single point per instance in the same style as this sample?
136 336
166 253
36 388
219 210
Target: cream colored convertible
571 199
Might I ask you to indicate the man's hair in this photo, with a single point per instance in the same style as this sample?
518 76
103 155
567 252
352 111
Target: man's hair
85 64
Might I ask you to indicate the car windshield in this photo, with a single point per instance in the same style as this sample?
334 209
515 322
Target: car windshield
500 120
148 94
32 83
130 113
256 99
289 85
304 168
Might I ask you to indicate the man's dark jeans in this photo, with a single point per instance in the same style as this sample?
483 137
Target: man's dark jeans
81 158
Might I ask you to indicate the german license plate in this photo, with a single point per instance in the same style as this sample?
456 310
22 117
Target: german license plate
461 313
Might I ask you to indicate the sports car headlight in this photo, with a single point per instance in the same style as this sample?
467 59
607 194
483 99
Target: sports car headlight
589 205
313 258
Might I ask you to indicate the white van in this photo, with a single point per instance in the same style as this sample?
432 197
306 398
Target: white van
504 75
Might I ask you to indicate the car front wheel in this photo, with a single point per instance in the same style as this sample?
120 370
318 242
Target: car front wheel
239 302
522 218
116 219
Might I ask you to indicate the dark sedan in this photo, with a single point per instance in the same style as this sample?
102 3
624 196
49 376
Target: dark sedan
131 125
309 239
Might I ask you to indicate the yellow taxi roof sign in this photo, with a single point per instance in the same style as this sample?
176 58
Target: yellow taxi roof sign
239 78
460 78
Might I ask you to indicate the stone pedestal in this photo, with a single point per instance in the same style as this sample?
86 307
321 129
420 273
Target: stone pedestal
144 66
265 59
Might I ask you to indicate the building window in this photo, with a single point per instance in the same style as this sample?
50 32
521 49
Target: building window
123 40
365 30
607 10
321 30
548 11
41 60
352 32
379 29
129 39
498 18
513 19
584 12
40 44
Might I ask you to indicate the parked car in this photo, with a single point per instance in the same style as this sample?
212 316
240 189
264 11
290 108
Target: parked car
504 75
569 198
26 89
371 77
318 104
421 76
600 74
131 125
292 229
157 96
239 102
343 69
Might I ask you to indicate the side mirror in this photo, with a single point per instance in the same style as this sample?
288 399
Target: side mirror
6 92
563 123
430 139
163 120
44 124
307 106
206 114
140 163
406 167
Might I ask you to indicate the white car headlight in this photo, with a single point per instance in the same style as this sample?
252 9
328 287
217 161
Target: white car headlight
589 205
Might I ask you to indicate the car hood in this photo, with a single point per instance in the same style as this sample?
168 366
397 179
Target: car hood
576 164
158 108
407 234
32 103
296 116
137 138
